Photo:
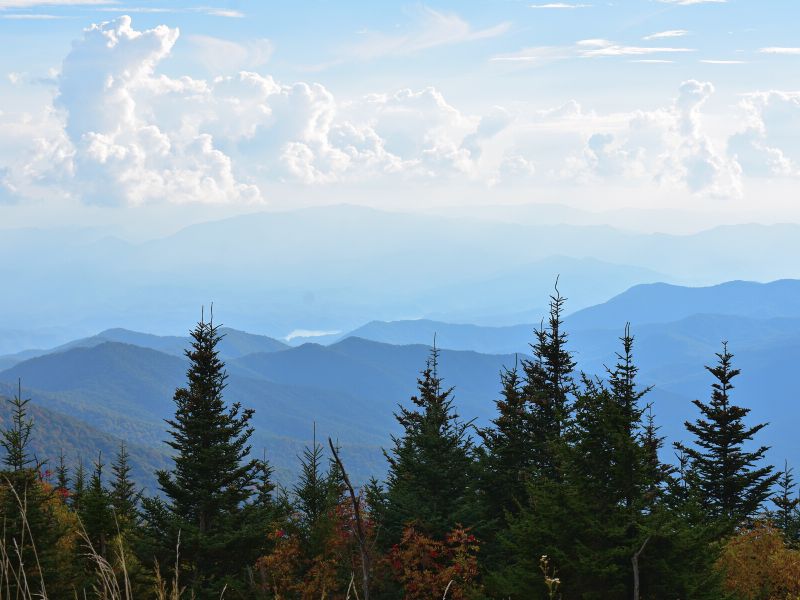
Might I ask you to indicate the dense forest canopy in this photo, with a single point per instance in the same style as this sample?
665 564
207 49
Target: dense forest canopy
566 493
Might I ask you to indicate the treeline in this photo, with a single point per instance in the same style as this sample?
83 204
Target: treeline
564 495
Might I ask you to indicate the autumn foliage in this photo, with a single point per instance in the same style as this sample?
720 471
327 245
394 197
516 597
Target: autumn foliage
427 568
757 565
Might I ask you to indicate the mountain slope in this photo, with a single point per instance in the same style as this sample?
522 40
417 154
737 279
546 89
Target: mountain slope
662 303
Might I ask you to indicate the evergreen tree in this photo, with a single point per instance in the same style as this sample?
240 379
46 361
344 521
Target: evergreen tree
78 486
691 538
548 388
96 512
507 457
311 490
31 527
313 499
733 488
124 496
431 479
265 486
211 481
603 508
16 438
616 482
787 514
62 476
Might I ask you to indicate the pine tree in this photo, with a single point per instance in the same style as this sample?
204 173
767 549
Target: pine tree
212 479
78 486
507 457
96 512
62 477
312 499
604 507
549 387
690 545
15 440
31 528
311 490
787 512
617 482
431 470
124 496
265 486
732 486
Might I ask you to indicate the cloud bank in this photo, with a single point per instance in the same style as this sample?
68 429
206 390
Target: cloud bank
121 131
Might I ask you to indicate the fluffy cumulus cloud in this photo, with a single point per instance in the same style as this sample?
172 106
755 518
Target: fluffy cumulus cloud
668 146
112 97
768 144
119 130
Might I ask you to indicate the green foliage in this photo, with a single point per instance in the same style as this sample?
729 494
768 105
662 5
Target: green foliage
16 438
431 479
506 456
566 497
207 492
786 515
548 388
29 508
123 493
731 486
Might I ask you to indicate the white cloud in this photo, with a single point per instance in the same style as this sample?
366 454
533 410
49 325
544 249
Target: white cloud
206 10
671 33
432 28
666 146
29 17
222 12
691 2
618 50
779 50
560 5
767 145
122 131
712 61
124 152
34 3
224 56
589 48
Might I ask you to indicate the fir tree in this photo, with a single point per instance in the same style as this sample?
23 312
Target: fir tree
124 496
31 528
733 488
78 486
62 476
265 486
506 457
604 506
212 478
311 490
549 387
16 438
430 481
787 514
96 512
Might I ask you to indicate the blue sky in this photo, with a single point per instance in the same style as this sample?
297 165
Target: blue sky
119 108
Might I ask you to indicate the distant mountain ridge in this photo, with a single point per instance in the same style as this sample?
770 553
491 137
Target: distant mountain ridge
234 344
119 384
663 302
277 272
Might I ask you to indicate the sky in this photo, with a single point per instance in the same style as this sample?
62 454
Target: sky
122 113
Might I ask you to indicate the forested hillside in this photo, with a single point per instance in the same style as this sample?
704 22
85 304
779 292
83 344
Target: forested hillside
565 488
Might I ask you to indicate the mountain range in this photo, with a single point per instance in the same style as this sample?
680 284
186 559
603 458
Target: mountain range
334 268
92 393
